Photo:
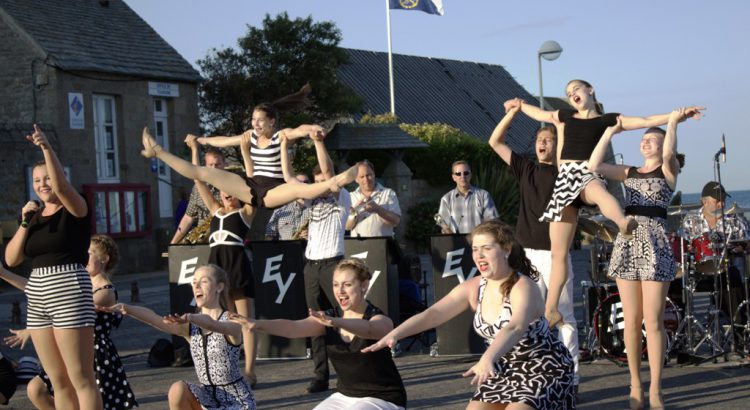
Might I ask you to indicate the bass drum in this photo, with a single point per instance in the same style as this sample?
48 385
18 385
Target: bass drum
609 326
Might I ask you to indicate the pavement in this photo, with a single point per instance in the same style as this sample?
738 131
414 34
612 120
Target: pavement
431 382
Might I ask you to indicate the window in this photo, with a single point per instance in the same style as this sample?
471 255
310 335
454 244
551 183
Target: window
120 210
105 139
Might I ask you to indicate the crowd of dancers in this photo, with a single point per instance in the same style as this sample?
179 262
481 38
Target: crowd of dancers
523 290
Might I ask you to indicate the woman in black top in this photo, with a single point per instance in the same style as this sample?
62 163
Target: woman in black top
644 265
60 311
365 380
578 131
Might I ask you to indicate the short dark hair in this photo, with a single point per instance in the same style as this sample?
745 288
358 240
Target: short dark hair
215 152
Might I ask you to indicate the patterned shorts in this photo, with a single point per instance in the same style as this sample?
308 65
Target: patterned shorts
60 297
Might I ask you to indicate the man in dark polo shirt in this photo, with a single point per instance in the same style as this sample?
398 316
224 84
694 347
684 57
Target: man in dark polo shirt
536 182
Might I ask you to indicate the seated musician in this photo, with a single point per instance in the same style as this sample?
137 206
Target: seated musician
705 229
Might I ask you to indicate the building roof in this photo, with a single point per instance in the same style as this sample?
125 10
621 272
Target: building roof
466 95
97 36
370 136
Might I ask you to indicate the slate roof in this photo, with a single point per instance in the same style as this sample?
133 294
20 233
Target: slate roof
370 136
97 36
466 95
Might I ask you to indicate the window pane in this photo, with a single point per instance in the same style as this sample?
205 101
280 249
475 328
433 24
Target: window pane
100 212
157 106
159 128
142 211
107 111
109 137
114 212
130 211
110 164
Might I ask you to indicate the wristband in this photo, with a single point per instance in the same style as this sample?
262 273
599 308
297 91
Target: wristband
25 223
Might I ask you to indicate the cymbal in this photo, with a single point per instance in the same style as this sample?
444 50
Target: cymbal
683 209
735 209
599 226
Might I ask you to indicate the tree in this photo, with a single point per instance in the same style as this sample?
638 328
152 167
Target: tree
271 62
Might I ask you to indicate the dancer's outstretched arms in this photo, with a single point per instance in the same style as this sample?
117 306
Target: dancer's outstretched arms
232 330
324 159
221 141
497 139
523 295
290 329
596 161
375 328
247 158
634 123
536 113
286 162
450 306
304 130
149 317
670 165
68 196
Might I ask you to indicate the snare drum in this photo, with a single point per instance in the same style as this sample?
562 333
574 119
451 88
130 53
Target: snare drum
707 254
609 326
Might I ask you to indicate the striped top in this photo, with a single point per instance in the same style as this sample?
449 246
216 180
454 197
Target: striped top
266 161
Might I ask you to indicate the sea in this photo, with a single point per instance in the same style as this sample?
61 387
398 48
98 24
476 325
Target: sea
742 198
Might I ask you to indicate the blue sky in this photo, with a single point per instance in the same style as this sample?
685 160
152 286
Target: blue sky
643 57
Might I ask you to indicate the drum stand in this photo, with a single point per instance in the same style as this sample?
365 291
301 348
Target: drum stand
690 331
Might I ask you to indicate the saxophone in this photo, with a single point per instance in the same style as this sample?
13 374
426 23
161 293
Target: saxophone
301 229
199 234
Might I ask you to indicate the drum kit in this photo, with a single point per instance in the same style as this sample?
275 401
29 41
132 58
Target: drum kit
688 338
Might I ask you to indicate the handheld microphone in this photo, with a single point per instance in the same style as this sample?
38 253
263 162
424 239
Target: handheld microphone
29 214
723 149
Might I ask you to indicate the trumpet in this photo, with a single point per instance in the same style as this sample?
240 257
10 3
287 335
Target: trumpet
439 220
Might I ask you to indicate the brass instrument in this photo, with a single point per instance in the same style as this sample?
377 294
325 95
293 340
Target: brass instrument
199 233
301 229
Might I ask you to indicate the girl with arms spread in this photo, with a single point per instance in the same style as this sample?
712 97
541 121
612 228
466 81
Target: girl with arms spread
644 265
579 129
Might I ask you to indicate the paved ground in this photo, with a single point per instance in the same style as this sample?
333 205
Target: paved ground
431 382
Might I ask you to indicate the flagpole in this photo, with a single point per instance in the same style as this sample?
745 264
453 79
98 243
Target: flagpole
390 56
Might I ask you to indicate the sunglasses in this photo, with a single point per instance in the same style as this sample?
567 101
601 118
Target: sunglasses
465 173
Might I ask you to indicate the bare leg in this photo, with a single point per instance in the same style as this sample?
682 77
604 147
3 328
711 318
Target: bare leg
243 305
52 362
480 405
77 351
632 309
226 181
561 236
286 193
39 395
180 397
654 299
596 193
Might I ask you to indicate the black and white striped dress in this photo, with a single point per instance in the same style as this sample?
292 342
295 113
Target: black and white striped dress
648 254
538 371
267 173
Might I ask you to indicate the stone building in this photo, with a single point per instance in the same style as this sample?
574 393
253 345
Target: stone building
92 74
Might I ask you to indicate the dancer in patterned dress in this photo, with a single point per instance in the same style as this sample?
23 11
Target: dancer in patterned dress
578 131
108 369
644 265
365 381
215 345
524 366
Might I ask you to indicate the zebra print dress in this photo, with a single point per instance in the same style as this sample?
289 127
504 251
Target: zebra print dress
538 371
648 254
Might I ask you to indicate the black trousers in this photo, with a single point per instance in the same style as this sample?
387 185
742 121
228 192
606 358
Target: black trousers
319 296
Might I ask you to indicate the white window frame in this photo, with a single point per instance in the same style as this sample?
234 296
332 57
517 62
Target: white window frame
103 151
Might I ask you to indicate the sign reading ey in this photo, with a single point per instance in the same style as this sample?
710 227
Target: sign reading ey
163 89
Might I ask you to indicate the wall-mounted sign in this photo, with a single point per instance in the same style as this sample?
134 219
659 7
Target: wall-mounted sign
163 89
75 111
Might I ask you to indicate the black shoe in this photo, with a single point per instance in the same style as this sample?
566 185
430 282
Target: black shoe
317 386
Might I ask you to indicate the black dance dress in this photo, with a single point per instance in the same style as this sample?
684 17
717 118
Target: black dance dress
227 242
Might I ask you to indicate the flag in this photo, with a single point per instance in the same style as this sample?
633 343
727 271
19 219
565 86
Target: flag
428 6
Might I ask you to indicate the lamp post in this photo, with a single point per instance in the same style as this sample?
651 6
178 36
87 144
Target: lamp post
550 50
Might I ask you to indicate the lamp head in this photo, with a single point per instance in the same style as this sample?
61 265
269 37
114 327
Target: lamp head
550 50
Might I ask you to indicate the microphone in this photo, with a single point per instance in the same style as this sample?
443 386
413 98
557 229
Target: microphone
30 214
723 149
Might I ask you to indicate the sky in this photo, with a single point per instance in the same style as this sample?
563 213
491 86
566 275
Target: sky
643 57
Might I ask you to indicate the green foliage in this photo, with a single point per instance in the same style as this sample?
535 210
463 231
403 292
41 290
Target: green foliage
492 175
270 62
386 118
447 145
421 223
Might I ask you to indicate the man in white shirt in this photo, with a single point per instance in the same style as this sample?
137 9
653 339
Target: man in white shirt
375 210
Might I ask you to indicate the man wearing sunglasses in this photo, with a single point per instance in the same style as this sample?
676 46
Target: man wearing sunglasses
466 206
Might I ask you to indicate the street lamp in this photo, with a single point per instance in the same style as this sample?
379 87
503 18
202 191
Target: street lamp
550 50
